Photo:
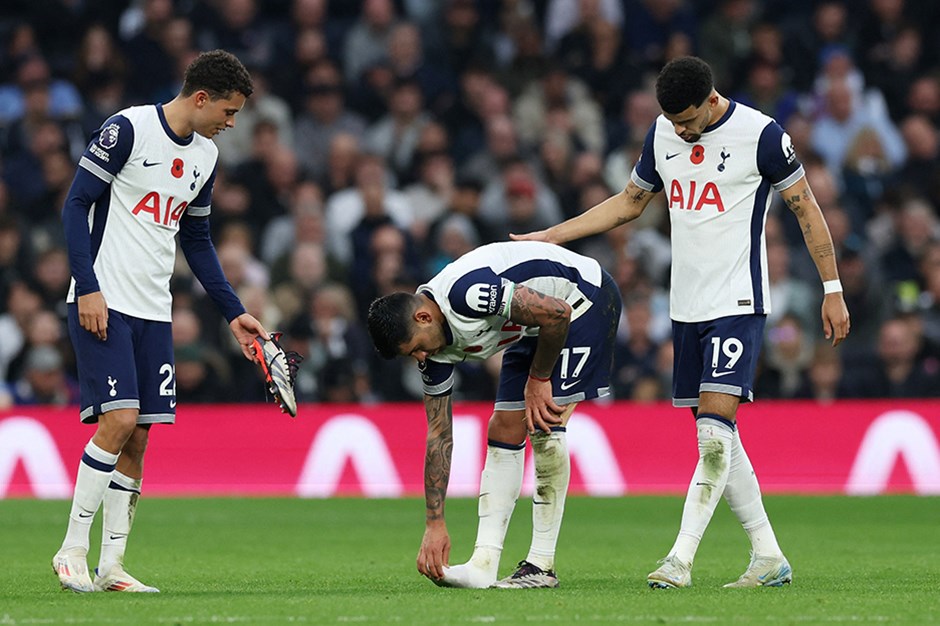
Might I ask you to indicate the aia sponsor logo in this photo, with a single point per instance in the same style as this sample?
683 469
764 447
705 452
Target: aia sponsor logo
162 212
693 198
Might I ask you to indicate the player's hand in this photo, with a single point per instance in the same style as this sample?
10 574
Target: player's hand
538 235
245 328
435 550
93 314
835 318
541 412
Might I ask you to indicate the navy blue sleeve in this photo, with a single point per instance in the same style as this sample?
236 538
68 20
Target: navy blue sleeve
481 293
645 169
107 153
776 158
200 254
86 190
438 378
201 204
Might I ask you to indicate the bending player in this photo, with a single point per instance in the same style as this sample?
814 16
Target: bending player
539 302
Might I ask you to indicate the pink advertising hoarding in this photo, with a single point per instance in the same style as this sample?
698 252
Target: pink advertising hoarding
378 450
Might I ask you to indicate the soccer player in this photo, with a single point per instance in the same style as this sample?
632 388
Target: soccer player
555 313
717 161
147 175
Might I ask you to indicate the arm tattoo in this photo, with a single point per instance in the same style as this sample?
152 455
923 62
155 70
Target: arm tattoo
824 250
533 308
438 453
808 233
638 195
551 315
793 203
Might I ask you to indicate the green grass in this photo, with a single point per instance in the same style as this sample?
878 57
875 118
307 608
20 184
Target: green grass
279 561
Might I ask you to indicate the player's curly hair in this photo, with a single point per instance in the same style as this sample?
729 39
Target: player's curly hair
683 82
390 323
219 73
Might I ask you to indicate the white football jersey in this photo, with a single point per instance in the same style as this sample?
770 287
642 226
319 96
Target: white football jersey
475 293
718 193
154 177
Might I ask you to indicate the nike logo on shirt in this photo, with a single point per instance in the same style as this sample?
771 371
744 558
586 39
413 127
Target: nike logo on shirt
149 164
671 156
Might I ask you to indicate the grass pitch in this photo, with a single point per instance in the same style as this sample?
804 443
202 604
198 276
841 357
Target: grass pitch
287 561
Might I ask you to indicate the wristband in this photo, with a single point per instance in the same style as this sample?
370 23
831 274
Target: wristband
832 286
539 378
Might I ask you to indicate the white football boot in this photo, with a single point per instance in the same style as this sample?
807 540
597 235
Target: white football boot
72 569
529 576
116 579
764 571
672 574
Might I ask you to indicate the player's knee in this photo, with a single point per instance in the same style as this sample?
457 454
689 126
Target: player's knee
115 428
136 444
507 427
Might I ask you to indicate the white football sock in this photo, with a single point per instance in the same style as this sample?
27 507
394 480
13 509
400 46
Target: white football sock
707 485
552 474
743 495
500 484
120 505
94 474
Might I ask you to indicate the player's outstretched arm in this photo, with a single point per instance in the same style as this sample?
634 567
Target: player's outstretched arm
245 328
435 545
835 315
616 210
552 316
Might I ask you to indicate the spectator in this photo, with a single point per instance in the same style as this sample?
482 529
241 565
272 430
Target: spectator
44 380
921 171
786 359
367 40
502 146
241 30
33 80
636 351
518 200
559 91
395 136
917 226
726 42
235 144
824 379
22 304
406 59
897 371
845 116
431 194
346 208
804 45
151 71
460 38
465 202
323 116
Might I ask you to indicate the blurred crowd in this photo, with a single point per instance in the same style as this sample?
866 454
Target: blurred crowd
385 138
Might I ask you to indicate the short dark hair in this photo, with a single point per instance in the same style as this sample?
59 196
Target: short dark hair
219 73
683 82
390 322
